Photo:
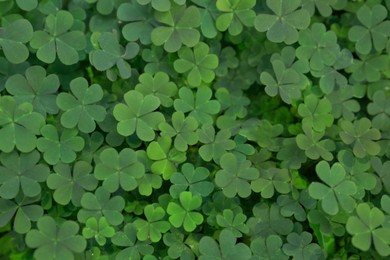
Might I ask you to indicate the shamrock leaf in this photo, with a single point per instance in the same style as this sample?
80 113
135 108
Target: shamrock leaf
100 204
193 179
184 214
35 88
177 245
19 125
70 184
316 113
283 24
160 5
285 83
292 207
21 173
159 86
55 241
366 228
318 46
227 248
80 108
57 41
234 15
270 180
268 248
362 136
383 172
137 116
235 175
208 12
291 155
233 103
153 226
335 190
12 39
200 106
98 229
373 32
324 7
343 104
178 28
119 170
24 212
61 148
380 109
233 222
183 129
104 7
299 247
198 64
215 144
111 54
368 67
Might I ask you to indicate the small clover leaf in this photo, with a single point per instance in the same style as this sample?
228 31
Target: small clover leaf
99 229
299 247
235 175
343 104
197 63
57 148
19 125
138 116
177 245
184 214
362 136
55 241
380 109
283 24
208 12
324 7
374 32
227 248
70 184
12 39
104 7
366 228
178 28
153 227
57 41
21 173
270 180
193 179
81 109
36 88
337 192
316 113
233 222
368 67
119 169
233 103
235 14
383 172
268 248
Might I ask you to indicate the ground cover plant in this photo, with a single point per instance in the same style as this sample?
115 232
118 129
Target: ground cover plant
194 129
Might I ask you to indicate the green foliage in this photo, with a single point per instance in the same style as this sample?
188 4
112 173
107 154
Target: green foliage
98 229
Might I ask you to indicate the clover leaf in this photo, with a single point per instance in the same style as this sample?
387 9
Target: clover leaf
362 136
119 169
368 67
373 32
153 227
100 204
380 109
197 63
12 39
104 7
111 54
366 229
235 175
233 222
57 148
138 116
55 241
98 229
234 15
283 24
316 113
183 129
233 103
299 247
193 179
324 7
21 173
19 125
200 106
227 248
177 245
382 170
270 180
335 191
80 109
70 183
58 40
158 85
178 28
268 248
343 104
183 214
208 12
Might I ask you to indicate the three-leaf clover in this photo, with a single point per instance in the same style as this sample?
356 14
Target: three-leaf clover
208 12
138 116
335 191
197 63
270 180
99 229
316 113
235 222
283 24
380 109
366 229
183 214
268 248
235 175
299 247
55 241
57 41
81 109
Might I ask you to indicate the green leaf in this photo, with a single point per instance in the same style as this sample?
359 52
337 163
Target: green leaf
270 180
233 222
99 229
268 248
380 109
316 113
299 247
